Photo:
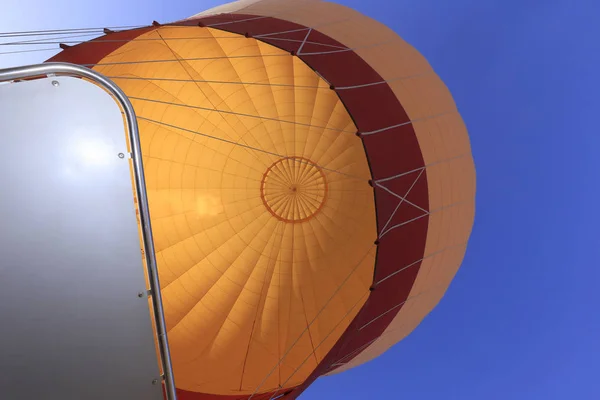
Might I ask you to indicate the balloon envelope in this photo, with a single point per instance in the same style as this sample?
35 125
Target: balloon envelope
311 188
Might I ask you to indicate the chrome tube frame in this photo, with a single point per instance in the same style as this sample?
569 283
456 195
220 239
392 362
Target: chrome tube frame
56 69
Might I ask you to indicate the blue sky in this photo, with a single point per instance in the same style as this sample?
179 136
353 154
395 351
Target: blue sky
520 321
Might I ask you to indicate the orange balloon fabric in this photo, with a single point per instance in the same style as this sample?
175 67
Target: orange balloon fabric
311 188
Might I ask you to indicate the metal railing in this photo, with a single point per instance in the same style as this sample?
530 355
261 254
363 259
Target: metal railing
66 69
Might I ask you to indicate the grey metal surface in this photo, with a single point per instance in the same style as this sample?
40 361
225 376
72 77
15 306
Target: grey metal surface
138 170
71 323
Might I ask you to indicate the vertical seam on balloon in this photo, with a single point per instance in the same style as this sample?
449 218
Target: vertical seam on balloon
179 60
322 341
177 98
259 301
302 334
264 65
246 90
310 335
316 72
222 273
227 122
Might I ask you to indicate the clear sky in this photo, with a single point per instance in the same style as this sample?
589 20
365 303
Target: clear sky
521 319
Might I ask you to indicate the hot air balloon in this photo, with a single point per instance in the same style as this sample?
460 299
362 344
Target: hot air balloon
310 182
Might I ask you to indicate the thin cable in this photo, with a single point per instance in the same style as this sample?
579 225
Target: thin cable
310 324
398 305
67 30
458 203
28 51
355 352
267 35
420 168
400 78
236 21
435 253
41 41
281 386
403 198
125 40
58 35
270 84
387 128
220 82
307 42
247 146
374 319
304 41
238 114
340 362
69 36
8 36
189 75
186 59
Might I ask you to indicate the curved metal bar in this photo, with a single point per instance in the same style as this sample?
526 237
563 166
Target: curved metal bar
32 71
